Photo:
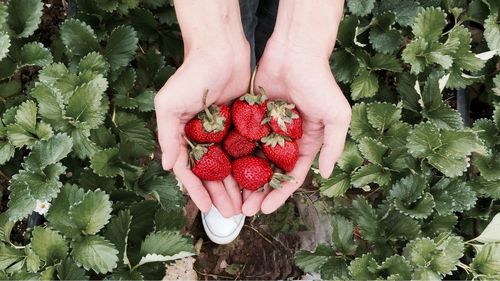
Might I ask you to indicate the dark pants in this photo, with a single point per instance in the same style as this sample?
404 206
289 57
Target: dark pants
258 18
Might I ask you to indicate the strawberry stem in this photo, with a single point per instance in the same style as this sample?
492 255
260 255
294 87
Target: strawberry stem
252 81
207 111
189 142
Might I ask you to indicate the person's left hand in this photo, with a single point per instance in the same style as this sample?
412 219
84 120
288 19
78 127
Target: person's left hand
306 81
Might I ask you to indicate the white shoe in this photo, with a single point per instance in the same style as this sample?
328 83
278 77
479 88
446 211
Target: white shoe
219 229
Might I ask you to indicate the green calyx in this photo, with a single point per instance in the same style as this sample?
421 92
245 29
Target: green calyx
197 151
278 178
274 139
212 121
251 98
282 112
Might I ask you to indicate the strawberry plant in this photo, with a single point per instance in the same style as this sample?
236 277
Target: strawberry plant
415 194
416 184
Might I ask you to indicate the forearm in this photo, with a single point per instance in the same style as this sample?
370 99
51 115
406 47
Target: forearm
308 27
209 24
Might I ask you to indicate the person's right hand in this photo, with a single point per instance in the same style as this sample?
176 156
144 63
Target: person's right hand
225 72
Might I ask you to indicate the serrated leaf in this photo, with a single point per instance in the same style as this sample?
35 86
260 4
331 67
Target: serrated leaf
145 101
165 243
79 38
360 126
35 54
49 245
107 5
58 213
409 197
32 261
313 261
93 252
385 41
438 224
121 46
445 117
487 260
429 24
145 23
453 195
10 88
398 225
365 85
404 10
50 103
372 150
7 151
360 7
93 62
82 145
24 16
117 232
9 256
451 249
370 173
415 55
42 185
385 62
383 115
105 162
338 183
133 131
49 151
344 65
6 226
364 268
92 213
85 107
4 44
396 265
171 220
491 233
342 235
68 270
21 204
492 32
347 30
420 251
365 217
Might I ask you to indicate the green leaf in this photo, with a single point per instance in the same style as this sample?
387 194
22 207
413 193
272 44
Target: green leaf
21 204
344 65
420 251
372 150
165 246
4 45
364 268
10 88
396 266
453 195
171 220
32 261
360 7
365 85
133 131
347 31
79 38
6 226
82 145
370 173
385 62
85 106
93 252
336 186
145 23
93 62
9 256
429 24
50 103
35 54
42 185
438 224
487 260
58 213
92 213
49 245
415 55
117 232
386 41
121 46
398 225
105 162
492 32
108 5
383 115
7 151
313 261
24 16
49 152
404 10
491 233
365 217
145 101
350 158
342 235
68 270
409 197
360 126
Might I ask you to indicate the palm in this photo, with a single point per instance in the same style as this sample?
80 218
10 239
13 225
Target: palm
180 100
325 112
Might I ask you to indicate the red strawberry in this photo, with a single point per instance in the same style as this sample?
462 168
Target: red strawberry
237 145
248 113
210 126
252 173
284 119
282 151
209 162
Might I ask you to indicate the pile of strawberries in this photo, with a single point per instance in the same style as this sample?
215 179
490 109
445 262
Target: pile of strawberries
248 140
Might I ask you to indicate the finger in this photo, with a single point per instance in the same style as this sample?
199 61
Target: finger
253 203
246 194
278 196
168 135
234 193
220 198
333 145
191 182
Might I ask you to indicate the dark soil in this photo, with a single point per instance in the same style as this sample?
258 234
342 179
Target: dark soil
54 13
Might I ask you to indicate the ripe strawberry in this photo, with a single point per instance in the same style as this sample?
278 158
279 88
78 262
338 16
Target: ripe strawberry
252 173
209 162
248 113
284 119
282 151
209 126
237 145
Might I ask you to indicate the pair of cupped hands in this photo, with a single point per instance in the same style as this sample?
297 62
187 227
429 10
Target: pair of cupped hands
294 76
